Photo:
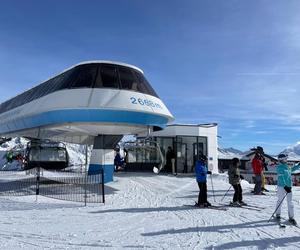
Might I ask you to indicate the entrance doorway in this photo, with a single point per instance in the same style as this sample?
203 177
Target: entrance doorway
181 153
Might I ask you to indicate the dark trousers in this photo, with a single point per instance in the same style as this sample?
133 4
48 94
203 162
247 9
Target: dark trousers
238 196
258 184
202 198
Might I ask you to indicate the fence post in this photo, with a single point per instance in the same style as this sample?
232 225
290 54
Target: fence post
102 177
85 171
37 191
85 187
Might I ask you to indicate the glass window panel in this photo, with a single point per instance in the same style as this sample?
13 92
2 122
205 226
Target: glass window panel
143 84
85 77
65 80
48 87
109 77
128 79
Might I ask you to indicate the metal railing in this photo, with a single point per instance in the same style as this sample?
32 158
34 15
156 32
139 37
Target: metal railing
62 185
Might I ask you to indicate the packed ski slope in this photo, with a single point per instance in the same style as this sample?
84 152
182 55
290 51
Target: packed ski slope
146 211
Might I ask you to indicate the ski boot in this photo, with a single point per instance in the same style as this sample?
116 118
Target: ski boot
234 204
199 204
242 203
208 204
265 190
202 205
292 221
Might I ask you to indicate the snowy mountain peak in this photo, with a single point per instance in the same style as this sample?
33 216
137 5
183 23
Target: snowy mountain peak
293 151
233 150
229 153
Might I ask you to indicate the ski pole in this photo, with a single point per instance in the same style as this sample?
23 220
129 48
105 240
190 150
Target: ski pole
277 207
212 186
226 193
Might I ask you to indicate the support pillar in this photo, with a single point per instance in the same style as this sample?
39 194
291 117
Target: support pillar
103 156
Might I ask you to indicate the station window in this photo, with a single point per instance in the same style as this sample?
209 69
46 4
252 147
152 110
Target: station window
49 87
3 107
143 84
108 77
64 80
25 96
84 76
87 75
128 79
36 92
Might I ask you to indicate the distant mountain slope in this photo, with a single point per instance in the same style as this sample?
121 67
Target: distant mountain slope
229 153
293 152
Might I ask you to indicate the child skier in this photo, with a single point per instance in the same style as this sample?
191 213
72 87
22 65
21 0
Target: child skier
284 187
234 180
201 176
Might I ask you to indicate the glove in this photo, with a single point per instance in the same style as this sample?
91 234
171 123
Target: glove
288 189
208 172
242 177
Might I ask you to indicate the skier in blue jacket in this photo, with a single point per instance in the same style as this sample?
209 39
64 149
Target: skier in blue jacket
284 186
201 176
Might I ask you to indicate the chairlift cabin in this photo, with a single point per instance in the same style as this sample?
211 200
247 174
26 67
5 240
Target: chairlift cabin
47 155
143 154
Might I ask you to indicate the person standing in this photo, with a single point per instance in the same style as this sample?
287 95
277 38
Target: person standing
173 163
234 179
284 186
201 177
118 161
257 166
263 177
170 163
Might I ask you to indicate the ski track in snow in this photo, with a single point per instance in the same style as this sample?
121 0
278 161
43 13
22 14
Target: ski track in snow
146 211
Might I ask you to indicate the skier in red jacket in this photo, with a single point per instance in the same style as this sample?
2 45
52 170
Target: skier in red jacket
258 166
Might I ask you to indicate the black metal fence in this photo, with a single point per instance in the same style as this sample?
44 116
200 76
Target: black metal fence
71 186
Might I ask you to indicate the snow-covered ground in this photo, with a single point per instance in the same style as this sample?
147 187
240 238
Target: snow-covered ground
146 211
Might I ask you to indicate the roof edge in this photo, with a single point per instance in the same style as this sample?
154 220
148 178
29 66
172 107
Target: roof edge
204 125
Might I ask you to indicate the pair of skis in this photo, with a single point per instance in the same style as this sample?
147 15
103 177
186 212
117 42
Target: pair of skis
224 207
249 207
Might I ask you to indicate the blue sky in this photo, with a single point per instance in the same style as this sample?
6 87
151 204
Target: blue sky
233 62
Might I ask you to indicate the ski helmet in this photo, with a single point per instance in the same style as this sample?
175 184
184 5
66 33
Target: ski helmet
259 149
282 157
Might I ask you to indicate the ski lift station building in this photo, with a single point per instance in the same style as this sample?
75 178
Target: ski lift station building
92 103
97 103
